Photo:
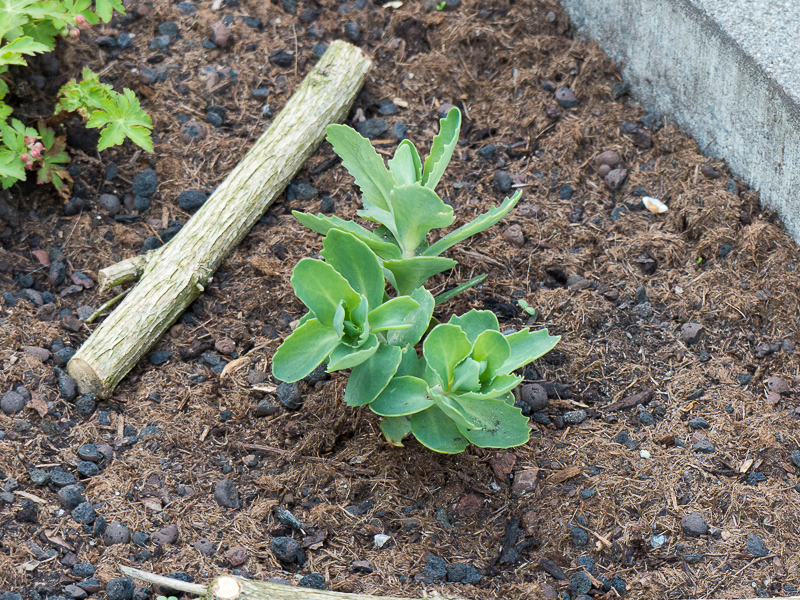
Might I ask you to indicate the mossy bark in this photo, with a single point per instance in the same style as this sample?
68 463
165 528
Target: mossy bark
173 276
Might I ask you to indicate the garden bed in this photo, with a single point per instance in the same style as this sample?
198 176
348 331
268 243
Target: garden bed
714 431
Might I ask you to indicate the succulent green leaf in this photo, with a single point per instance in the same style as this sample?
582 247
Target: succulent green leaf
411 364
475 322
395 429
492 347
418 318
499 425
443 349
369 379
466 376
354 261
486 220
450 407
338 319
527 346
436 431
442 148
344 356
416 210
303 351
321 288
497 387
322 224
407 274
405 166
403 396
364 164
392 314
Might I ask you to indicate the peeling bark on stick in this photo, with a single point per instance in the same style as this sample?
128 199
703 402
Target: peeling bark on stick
175 275
229 587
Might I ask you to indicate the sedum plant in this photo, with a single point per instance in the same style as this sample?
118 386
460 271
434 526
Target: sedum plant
347 317
459 390
402 201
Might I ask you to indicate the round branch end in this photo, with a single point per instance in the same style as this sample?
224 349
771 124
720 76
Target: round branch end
226 588
85 376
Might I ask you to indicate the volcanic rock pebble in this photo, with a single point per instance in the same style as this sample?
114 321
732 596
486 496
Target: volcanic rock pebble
691 333
84 513
502 182
289 395
191 200
579 583
111 203
70 496
12 403
694 525
83 570
85 405
116 533
435 571
372 128
285 549
120 588
313 581
87 468
166 535
66 386
145 183
220 34
575 416
777 385
192 131
461 573
566 97
524 481
756 546
353 31
60 477
226 494
615 178
514 236
204 547
73 591
225 346
89 452
534 395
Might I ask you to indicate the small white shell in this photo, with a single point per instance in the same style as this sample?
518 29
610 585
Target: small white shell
654 205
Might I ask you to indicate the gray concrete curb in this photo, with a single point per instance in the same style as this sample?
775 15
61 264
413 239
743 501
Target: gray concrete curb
680 62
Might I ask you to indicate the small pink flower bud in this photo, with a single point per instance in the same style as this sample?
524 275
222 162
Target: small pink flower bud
24 157
36 152
82 23
29 165
29 139
74 32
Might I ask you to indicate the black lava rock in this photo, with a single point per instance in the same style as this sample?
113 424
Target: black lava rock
226 494
84 513
289 395
314 581
372 128
435 570
694 525
285 548
159 357
85 405
191 200
120 588
502 182
145 183
70 496
461 573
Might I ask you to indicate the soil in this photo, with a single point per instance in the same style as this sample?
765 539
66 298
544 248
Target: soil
616 281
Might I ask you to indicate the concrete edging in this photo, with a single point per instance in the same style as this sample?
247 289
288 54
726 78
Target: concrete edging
682 64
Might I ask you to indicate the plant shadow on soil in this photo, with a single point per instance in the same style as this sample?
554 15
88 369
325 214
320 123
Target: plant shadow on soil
578 255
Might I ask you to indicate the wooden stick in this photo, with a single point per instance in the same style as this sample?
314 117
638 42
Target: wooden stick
185 266
229 587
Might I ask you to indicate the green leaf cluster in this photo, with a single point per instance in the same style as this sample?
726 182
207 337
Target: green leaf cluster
401 199
30 27
459 390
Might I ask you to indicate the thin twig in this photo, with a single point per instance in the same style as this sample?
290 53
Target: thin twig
106 306
176 584
315 459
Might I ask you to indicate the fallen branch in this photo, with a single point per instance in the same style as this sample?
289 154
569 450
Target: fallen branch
175 276
631 401
229 587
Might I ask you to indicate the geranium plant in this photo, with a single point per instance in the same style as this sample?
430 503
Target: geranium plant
30 27
459 390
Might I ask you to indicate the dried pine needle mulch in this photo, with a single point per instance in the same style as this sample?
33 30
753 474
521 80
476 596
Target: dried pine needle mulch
715 259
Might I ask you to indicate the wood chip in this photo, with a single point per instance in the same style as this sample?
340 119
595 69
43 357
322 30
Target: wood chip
564 474
631 401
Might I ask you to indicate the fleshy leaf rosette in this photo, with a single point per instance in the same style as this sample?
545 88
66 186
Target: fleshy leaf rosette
347 319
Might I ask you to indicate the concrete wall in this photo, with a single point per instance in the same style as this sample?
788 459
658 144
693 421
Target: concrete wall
681 64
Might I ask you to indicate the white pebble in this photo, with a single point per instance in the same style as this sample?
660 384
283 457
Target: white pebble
654 205
381 539
644 454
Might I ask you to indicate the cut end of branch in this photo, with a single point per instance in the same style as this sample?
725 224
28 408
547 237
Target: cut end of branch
226 588
85 376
